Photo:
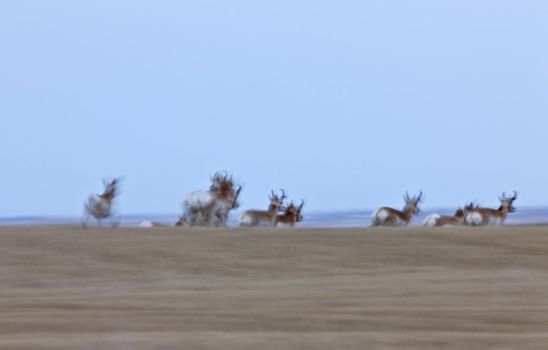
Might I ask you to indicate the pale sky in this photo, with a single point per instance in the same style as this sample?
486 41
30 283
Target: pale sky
346 104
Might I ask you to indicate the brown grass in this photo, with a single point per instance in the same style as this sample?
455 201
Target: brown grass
168 288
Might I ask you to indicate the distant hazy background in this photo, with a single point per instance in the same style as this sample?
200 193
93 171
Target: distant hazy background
346 104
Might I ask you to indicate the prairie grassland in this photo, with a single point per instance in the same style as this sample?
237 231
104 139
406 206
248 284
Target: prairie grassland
62 287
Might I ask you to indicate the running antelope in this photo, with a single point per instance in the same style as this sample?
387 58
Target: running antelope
386 216
206 208
100 205
290 216
487 216
436 220
252 217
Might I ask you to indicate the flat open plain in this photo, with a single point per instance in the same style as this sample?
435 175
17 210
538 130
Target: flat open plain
63 287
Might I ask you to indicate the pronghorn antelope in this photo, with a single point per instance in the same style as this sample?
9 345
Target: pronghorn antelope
290 215
267 217
386 216
487 216
436 220
100 205
206 208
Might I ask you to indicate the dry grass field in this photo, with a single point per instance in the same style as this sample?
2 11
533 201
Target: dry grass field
165 288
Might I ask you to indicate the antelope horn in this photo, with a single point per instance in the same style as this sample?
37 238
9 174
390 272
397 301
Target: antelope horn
237 192
419 197
302 204
515 195
284 195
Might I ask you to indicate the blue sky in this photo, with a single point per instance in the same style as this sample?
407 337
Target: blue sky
346 104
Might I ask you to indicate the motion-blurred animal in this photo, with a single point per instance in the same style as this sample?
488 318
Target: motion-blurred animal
211 207
487 216
100 205
254 217
386 216
290 216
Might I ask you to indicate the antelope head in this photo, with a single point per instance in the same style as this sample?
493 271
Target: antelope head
222 184
291 213
298 211
276 203
216 180
507 202
110 188
412 203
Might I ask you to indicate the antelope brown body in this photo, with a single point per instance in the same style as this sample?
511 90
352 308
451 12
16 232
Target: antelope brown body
436 220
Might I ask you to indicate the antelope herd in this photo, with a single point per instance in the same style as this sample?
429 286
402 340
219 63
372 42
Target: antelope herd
211 208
